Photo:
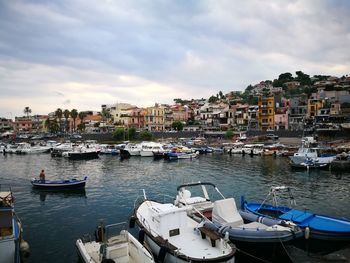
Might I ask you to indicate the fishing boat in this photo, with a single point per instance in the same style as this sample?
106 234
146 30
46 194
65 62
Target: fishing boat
13 249
308 156
224 217
59 185
315 226
175 237
112 244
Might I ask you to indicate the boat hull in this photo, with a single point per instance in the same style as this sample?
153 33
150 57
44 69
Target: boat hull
59 185
314 225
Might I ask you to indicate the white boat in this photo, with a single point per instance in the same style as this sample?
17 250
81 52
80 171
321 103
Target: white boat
236 148
12 246
253 149
60 148
11 148
26 148
113 245
223 216
108 149
147 149
308 156
175 237
133 149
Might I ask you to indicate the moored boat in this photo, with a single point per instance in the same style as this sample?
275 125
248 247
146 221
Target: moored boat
13 248
315 226
59 185
174 237
113 244
225 217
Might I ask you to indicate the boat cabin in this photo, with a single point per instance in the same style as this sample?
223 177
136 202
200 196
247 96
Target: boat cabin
168 219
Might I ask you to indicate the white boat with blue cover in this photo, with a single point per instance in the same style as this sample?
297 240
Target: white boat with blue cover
223 216
316 226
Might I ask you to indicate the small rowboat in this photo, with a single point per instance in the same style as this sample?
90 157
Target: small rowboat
59 185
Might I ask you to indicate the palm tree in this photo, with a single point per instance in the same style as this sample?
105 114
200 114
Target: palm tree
27 111
81 116
105 115
66 115
74 115
58 114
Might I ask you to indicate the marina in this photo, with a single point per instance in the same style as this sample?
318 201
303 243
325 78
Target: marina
53 221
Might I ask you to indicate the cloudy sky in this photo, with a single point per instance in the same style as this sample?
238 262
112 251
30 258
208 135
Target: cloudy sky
83 53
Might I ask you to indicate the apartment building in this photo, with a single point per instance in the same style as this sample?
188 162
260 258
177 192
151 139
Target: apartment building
155 118
266 118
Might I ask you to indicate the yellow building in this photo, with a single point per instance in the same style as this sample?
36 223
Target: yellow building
266 117
313 105
154 118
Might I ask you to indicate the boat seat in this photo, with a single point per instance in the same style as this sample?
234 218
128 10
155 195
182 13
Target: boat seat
194 200
118 252
211 234
225 213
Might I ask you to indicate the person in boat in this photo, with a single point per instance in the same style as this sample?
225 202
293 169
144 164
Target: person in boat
42 176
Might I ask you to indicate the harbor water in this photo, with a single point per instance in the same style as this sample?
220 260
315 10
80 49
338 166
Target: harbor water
52 221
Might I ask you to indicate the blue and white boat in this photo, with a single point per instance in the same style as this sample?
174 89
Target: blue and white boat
316 226
12 246
223 217
308 156
59 185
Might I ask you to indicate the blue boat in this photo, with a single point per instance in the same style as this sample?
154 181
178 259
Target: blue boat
59 185
316 226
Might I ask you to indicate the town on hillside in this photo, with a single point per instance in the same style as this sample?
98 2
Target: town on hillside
285 104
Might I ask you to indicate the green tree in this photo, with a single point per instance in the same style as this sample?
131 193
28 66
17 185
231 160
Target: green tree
66 115
52 125
81 116
285 77
27 111
212 99
59 114
106 115
132 133
304 79
74 115
177 125
249 89
229 134
81 127
119 134
145 136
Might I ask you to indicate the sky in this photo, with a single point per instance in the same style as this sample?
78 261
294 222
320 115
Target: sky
84 53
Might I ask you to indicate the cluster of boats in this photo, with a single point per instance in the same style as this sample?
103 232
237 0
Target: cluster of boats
200 228
200 225
307 156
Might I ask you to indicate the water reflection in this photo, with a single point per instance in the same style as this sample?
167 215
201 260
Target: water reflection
72 193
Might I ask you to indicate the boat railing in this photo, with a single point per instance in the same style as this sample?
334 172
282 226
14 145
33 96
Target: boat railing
116 233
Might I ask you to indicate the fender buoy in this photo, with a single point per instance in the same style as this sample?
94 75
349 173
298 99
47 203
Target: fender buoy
141 236
162 254
307 233
132 221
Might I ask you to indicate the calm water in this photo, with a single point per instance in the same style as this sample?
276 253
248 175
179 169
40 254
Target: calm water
53 221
